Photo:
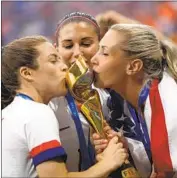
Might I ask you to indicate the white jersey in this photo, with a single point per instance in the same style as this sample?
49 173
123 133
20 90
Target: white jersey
30 136
68 133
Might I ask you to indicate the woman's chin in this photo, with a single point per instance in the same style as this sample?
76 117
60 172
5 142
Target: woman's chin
65 90
62 92
99 84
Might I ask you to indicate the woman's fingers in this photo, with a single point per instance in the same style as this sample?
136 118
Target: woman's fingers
98 151
113 141
107 128
100 142
120 145
95 136
100 148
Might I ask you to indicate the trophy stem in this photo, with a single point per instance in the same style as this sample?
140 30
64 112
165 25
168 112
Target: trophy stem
92 110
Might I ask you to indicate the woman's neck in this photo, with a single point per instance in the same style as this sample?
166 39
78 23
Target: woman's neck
34 94
130 91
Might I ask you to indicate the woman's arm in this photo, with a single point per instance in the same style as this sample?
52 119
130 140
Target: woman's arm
111 158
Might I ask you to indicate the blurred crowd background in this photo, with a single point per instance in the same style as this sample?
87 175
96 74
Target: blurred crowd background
21 18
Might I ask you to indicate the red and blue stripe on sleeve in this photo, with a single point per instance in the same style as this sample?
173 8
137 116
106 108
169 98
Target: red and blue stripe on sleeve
47 151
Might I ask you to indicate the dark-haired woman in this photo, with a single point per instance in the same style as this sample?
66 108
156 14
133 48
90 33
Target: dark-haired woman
76 34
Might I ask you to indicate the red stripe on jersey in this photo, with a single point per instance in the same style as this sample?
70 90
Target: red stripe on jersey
159 135
44 146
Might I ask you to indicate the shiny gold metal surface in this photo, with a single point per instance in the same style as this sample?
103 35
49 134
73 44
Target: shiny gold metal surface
92 110
79 80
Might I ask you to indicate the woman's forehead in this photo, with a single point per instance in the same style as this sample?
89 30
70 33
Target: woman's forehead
111 39
46 49
77 27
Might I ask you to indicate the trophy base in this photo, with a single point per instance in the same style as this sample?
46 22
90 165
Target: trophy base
128 171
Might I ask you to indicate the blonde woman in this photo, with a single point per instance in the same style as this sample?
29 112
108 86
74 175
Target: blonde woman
146 75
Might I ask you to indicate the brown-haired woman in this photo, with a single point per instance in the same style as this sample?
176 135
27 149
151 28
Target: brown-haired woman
77 34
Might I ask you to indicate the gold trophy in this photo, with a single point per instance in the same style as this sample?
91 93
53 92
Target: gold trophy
79 80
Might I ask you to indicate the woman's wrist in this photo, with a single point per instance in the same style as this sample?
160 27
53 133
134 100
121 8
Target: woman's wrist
107 166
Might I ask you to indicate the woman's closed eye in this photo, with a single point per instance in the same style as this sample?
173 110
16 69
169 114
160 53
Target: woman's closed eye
68 46
103 53
54 59
103 50
86 44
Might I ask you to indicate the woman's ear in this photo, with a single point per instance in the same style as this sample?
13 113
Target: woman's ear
134 66
55 45
26 73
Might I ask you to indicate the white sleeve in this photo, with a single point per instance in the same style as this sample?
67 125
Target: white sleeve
42 132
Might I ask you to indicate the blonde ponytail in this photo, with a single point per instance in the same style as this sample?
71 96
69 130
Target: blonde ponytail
170 55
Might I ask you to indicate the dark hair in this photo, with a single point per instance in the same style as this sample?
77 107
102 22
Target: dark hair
76 17
20 52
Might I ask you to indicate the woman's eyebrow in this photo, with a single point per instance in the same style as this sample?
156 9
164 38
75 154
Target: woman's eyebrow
87 38
53 55
66 40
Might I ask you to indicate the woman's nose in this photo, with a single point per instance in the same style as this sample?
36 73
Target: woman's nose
64 67
77 51
94 60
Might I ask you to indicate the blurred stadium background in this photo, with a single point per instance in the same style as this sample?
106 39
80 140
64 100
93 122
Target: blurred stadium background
21 18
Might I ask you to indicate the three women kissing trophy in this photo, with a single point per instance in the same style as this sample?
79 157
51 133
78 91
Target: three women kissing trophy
79 79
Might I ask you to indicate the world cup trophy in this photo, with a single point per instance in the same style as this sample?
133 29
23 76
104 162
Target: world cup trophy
79 79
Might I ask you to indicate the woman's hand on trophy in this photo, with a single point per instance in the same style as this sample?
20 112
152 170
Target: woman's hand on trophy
101 143
111 133
114 154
